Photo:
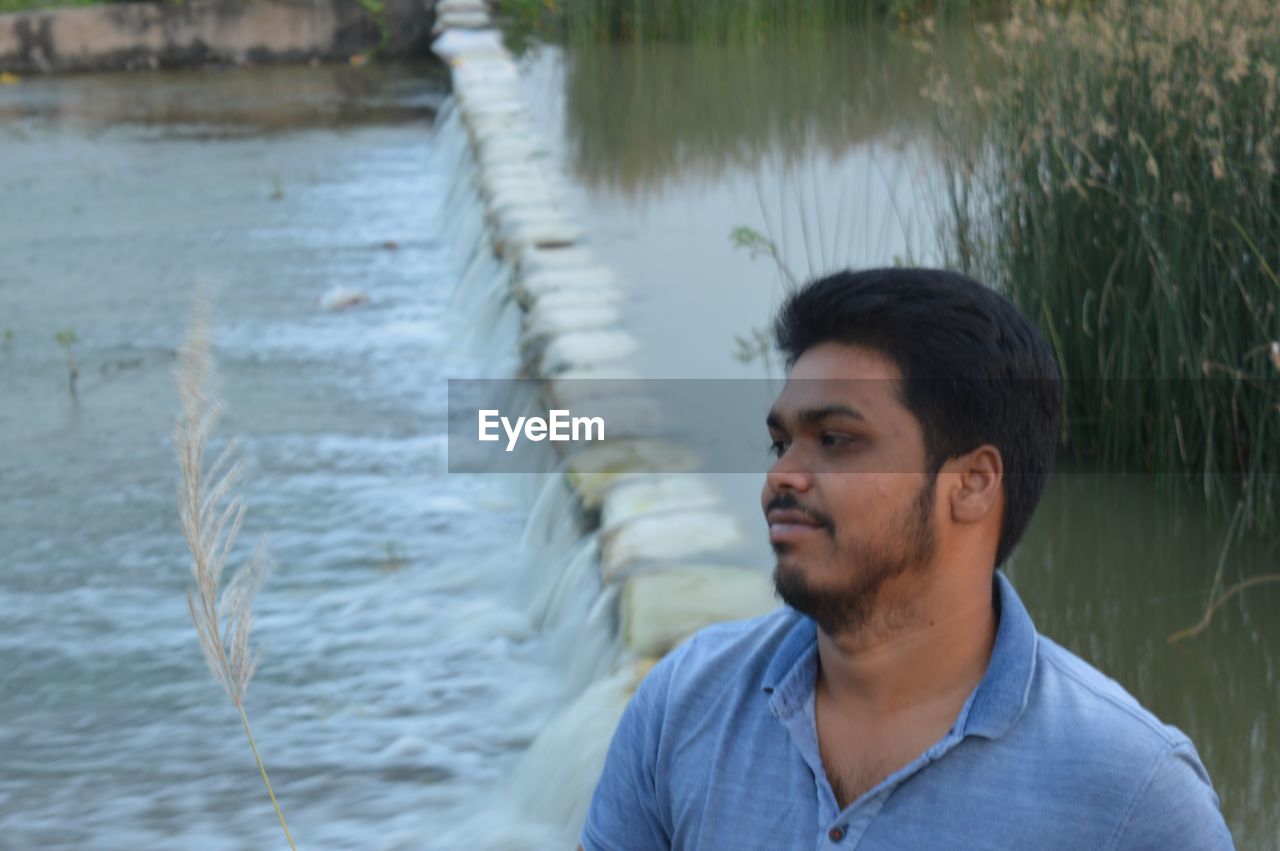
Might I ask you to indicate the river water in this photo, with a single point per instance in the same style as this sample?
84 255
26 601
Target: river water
405 671
401 679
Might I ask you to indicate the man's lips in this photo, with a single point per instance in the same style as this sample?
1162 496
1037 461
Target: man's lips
787 524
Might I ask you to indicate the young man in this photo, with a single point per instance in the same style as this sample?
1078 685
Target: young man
902 699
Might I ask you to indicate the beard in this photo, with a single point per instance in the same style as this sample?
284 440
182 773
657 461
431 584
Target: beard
910 544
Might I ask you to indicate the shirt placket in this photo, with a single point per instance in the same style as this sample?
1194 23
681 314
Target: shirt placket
845 829
797 716
848 828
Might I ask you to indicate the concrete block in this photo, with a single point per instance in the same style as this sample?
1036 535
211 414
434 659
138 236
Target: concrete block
667 536
660 608
543 322
595 469
653 495
585 347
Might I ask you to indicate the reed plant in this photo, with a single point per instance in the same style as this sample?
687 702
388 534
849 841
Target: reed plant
1118 178
211 512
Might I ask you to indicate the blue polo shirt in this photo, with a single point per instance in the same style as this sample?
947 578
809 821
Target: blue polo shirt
718 749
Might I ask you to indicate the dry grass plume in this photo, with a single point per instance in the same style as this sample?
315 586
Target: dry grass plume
211 513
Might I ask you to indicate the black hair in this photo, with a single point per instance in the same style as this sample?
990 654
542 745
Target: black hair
975 369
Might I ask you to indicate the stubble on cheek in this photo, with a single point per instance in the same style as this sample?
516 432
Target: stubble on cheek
838 585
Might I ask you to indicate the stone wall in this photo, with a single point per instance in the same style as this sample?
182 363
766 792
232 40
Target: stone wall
664 549
168 35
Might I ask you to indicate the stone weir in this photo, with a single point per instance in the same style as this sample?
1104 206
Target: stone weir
664 540
123 36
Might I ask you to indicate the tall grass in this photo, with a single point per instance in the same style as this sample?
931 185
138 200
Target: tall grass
1120 182
211 513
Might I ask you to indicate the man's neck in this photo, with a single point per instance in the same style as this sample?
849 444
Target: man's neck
927 659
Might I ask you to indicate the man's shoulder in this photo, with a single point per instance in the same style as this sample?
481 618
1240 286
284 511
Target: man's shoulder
1095 708
1114 751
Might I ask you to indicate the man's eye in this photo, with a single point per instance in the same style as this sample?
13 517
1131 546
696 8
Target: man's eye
835 440
777 448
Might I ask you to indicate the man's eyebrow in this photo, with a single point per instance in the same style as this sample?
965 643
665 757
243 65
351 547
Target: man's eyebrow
810 416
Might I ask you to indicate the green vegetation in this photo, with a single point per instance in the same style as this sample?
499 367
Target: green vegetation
1120 182
757 244
7 6
377 13
718 21
1113 172
66 338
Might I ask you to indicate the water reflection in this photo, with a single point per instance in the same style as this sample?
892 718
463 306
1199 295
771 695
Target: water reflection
229 102
642 117
822 142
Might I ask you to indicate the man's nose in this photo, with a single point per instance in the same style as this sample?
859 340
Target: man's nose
789 472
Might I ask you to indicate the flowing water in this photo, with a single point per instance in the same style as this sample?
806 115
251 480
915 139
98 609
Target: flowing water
421 629
401 679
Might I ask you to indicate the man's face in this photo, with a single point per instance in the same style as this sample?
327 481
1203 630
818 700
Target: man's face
848 501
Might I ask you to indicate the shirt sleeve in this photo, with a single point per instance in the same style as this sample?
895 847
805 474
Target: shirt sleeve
1176 809
626 810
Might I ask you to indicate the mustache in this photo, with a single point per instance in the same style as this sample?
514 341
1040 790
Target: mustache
788 501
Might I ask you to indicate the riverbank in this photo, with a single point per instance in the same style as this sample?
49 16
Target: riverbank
128 36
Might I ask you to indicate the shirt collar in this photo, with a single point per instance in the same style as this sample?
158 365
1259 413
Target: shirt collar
790 677
996 703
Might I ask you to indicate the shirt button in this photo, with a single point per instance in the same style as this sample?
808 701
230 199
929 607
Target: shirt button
835 834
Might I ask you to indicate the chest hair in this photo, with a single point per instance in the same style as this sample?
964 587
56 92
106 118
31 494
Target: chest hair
850 781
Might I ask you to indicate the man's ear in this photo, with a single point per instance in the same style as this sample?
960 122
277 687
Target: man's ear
979 475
